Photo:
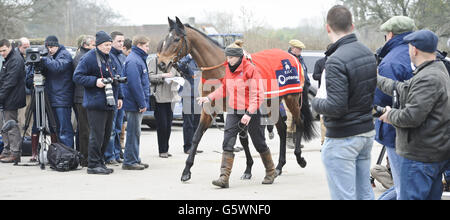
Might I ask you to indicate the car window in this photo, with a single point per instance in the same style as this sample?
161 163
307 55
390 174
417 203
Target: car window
311 62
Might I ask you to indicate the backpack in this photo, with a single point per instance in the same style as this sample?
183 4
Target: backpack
62 158
442 57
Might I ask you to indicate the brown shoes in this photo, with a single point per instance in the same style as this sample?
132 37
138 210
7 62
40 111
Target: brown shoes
11 159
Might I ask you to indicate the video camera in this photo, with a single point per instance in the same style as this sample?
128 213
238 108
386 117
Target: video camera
109 82
34 55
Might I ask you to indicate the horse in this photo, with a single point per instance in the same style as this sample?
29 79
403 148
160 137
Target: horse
209 55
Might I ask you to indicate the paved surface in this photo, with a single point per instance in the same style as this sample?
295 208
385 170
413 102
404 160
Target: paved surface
162 180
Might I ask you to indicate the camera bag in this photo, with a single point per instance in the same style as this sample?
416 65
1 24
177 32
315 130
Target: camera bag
62 158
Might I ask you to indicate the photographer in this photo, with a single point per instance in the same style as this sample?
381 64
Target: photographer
422 122
12 98
91 72
396 65
58 69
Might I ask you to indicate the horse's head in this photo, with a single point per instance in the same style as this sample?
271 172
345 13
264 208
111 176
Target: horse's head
173 47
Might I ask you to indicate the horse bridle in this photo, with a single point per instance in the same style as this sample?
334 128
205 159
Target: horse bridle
184 47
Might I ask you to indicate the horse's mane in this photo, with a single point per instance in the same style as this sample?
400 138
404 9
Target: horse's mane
204 35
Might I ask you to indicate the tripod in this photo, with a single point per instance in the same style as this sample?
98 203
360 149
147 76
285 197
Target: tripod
43 115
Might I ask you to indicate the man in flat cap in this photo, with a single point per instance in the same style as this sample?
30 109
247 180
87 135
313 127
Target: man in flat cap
422 120
396 65
296 48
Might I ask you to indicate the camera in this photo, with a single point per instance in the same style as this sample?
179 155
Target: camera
378 111
115 80
34 55
109 92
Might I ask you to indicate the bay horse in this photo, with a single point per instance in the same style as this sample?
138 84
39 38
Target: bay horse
208 54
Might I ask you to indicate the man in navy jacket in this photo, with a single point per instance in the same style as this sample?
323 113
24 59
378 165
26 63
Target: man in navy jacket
58 69
95 66
114 149
137 93
396 65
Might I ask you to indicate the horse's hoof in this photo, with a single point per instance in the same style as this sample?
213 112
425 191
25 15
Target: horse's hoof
185 177
302 162
278 172
246 176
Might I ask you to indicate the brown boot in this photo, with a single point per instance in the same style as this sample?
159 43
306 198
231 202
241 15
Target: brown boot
4 155
225 170
34 147
13 158
54 138
270 167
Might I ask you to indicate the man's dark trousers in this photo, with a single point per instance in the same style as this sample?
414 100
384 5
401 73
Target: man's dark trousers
164 117
190 122
100 124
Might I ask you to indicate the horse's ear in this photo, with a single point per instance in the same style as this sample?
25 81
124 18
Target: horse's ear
179 23
171 23
180 27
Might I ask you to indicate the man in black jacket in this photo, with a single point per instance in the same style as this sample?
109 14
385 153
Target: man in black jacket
345 100
12 98
87 43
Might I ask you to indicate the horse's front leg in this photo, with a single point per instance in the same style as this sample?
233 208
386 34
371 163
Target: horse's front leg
282 131
243 137
292 102
205 123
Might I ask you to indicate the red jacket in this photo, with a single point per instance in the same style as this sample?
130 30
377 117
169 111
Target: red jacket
244 88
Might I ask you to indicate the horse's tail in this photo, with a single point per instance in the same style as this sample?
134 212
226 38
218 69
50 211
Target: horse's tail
309 127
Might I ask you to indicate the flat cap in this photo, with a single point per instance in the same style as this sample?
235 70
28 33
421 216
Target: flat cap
297 43
423 40
398 25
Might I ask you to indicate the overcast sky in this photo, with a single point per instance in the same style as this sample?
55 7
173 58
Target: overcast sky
275 13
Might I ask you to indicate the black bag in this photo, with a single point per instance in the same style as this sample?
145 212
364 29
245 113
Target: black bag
26 147
62 158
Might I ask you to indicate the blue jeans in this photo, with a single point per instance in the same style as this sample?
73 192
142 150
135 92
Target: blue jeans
394 161
114 147
421 181
64 124
131 154
390 194
347 165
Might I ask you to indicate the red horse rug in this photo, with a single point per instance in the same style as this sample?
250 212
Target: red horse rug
281 71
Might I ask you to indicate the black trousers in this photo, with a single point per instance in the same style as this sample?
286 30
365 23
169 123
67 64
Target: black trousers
100 126
255 130
190 121
82 137
164 118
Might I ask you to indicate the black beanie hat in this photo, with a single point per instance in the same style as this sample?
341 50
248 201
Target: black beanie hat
51 41
102 37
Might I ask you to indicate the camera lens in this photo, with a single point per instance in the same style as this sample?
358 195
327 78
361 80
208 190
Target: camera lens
33 57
